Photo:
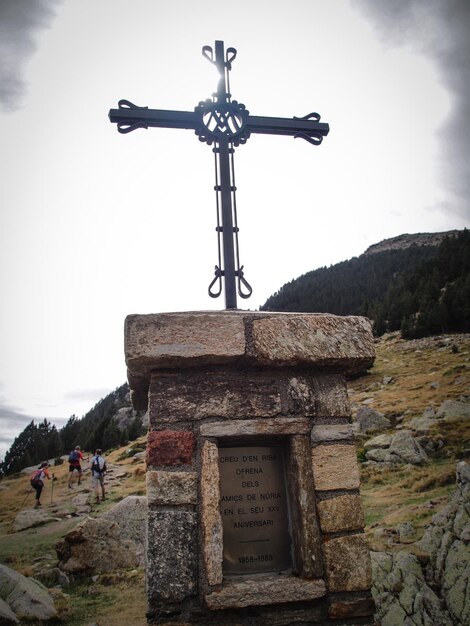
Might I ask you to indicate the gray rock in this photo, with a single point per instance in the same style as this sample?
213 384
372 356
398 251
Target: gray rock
131 517
401 594
95 546
404 448
406 531
422 425
29 518
53 578
370 420
429 412
379 455
446 542
452 410
7 616
26 597
380 441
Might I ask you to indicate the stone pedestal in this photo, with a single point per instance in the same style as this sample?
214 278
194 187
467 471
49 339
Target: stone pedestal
253 486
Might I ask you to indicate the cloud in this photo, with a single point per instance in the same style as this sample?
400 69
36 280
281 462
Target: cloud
12 423
20 21
439 29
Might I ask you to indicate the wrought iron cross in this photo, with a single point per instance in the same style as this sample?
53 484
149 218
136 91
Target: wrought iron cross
225 123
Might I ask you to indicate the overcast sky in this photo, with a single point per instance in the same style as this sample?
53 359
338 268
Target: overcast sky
96 225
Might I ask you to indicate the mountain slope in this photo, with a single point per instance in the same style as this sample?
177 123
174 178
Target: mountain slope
419 284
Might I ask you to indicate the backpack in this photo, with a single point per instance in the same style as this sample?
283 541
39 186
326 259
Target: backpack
35 479
95 466
73 456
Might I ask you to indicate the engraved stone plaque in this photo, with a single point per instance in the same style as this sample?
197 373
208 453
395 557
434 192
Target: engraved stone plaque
254 509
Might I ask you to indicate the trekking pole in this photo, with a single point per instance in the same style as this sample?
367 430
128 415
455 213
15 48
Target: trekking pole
27 496
52 486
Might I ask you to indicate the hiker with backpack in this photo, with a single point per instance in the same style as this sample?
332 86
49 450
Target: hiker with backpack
75 459
37 481
98 470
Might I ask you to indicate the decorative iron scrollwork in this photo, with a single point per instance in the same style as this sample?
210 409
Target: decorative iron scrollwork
127 127
220 120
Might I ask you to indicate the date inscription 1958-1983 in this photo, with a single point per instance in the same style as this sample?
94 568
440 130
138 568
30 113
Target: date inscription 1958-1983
254 510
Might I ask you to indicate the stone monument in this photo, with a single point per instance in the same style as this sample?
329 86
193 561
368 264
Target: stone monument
254 512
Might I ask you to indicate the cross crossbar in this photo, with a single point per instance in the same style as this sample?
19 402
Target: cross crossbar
226 124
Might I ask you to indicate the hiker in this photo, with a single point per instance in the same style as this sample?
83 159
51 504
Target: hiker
37 480
75 459
98 470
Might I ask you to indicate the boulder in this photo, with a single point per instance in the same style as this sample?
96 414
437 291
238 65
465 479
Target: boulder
7 617
369 420
422 425
27 598
452 410
405 449
131 517
95 546
381 441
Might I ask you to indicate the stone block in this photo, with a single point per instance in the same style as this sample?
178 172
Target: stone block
170 448
332 432
349 608
307 537
320 396
266 591
171 488
277 426
335 467
211 521
171 556
341 514
224 393
347 563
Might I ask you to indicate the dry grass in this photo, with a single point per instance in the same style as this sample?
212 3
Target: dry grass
424 373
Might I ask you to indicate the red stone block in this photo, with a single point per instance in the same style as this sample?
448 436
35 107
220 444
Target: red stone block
169 448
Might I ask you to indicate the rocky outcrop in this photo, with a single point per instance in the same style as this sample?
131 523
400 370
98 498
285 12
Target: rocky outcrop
406 241
446 542
401 594
23 599
436 588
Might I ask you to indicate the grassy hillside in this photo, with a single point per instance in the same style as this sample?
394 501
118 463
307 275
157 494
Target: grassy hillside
407 378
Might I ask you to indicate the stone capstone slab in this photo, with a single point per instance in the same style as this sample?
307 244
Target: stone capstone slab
171 488
170 448
341 513
347 563
313 339
263 592
171 556
252 339
335 467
